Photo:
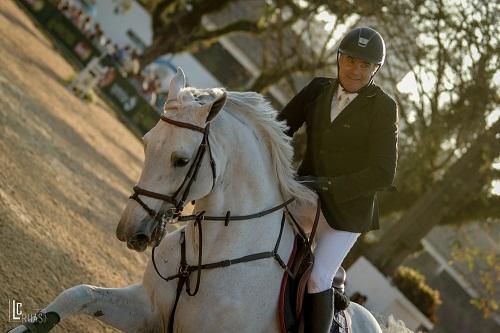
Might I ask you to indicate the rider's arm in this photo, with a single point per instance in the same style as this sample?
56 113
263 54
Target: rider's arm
294 113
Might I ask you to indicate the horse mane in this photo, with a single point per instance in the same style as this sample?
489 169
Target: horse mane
257 110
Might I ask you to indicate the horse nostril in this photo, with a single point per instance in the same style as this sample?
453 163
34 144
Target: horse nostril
139 239
138 243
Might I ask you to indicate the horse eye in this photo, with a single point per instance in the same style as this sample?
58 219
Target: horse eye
181 162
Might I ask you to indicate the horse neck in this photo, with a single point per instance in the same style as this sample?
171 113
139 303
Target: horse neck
247 184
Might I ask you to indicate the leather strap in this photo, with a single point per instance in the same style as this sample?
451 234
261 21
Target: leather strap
228 217
185 269
180 283
140 191
135 196
183 124
188 180
308 240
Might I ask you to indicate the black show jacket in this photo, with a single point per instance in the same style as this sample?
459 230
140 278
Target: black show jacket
357 151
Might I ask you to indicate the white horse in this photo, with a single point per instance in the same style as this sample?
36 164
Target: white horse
242 166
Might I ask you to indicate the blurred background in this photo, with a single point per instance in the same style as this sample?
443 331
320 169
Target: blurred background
434 263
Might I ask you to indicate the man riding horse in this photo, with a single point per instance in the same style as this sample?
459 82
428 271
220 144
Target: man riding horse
352 129
237 237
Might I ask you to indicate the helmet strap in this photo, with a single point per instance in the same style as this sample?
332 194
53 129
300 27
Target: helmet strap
373 75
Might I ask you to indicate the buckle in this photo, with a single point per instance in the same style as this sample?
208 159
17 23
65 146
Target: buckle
170 216
184 271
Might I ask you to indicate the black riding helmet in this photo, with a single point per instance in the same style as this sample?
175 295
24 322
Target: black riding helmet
364 43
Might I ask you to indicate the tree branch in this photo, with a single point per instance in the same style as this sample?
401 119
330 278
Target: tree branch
239 26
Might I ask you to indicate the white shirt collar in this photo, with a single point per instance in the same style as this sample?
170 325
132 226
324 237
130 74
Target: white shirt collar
342 93
339 103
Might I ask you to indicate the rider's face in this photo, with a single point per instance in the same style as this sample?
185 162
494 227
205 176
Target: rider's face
354 73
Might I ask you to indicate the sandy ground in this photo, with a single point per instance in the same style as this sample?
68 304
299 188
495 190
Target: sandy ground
66 170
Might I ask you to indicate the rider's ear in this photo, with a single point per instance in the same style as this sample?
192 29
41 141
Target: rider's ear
217 105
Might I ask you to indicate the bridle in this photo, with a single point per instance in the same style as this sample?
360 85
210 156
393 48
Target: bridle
173 214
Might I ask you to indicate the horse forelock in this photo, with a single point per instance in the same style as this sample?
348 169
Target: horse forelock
190 105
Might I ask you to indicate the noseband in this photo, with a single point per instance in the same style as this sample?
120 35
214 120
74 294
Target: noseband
189 179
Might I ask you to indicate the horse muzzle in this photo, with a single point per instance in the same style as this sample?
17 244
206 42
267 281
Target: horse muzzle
153 235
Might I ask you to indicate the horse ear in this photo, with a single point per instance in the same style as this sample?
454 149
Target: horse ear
176 84
216 106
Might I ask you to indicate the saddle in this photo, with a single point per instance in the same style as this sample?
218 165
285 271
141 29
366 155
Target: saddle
293 289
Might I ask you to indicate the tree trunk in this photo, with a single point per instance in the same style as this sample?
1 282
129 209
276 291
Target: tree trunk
182 40
182 32
463 178
152 53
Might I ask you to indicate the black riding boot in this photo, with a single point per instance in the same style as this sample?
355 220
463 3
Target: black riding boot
318 313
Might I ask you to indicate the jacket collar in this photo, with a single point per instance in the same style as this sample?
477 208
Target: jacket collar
365 95
367 91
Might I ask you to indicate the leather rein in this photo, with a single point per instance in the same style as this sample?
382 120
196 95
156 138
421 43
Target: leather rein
174 214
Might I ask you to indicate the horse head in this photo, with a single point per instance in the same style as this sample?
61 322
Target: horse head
179 165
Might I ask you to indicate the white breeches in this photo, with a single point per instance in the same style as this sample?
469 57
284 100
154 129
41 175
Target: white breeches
331 248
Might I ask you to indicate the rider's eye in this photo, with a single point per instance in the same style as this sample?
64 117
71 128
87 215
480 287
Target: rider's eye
180 162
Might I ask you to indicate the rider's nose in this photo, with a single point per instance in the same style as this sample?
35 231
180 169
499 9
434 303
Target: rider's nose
356 70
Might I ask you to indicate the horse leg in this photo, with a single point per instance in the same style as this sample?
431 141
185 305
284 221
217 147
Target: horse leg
128 309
